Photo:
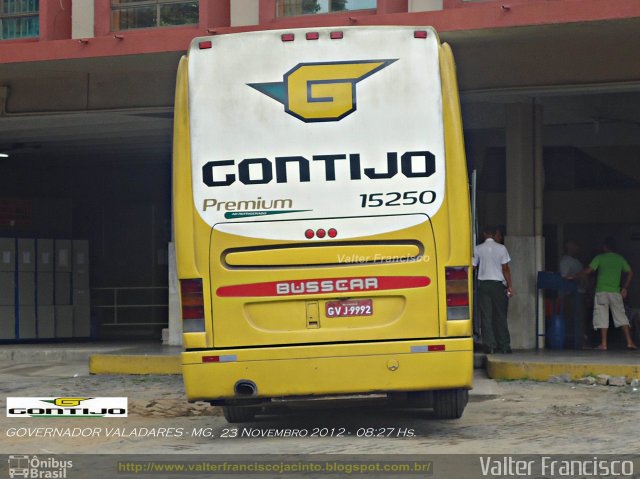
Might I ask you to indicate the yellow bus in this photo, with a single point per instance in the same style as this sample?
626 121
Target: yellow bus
321 219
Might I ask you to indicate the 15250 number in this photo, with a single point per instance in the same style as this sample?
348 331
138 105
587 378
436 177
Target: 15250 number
395 198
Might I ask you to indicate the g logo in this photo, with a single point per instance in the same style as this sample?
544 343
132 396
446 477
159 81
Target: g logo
67 402
321 91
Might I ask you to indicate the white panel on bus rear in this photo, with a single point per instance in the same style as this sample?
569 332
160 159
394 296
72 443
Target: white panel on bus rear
316 129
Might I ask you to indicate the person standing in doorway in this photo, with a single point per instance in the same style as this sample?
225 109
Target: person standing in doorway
609 296
494 290
570 265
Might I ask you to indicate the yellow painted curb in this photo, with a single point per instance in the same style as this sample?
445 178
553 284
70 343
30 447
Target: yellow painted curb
134 364
542 371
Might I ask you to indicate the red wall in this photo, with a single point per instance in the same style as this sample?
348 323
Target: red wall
55 20
102 17
214 14
55 23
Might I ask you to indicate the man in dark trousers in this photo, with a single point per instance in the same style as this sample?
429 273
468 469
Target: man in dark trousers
494 290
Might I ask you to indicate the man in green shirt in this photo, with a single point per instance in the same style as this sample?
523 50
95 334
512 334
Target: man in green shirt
610 266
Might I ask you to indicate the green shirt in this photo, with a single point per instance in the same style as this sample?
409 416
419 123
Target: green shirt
609 267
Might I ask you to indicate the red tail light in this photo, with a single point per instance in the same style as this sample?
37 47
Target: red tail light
337 35
457 299
312 35
225 358
457 288
288 37
456 274
192 301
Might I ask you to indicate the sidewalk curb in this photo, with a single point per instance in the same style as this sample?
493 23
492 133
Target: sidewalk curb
499 368
48 355
134 364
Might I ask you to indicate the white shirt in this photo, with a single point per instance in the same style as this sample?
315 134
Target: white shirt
570 266
490 256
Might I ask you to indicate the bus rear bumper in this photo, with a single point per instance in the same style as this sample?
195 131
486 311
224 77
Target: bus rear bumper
330 369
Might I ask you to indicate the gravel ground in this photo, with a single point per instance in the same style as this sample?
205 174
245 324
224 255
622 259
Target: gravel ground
501 418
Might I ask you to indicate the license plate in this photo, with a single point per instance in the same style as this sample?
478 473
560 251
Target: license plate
350 307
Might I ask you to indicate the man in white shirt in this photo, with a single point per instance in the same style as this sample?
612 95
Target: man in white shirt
570 265
494 290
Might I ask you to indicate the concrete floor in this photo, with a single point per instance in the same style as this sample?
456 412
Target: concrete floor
154 358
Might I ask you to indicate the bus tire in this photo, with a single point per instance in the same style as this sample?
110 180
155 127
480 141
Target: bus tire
450 403
234 414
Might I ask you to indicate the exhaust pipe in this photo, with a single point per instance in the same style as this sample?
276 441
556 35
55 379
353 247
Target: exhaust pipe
245 388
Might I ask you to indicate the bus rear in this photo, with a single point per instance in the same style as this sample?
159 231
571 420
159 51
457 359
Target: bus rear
322 220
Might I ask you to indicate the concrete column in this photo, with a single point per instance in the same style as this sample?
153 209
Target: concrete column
425 5
82 19
245 12
524 217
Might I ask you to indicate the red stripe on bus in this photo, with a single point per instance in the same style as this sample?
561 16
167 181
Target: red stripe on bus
323 286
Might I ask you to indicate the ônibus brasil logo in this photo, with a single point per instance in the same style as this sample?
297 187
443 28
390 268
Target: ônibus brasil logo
324 91
67 407
23 465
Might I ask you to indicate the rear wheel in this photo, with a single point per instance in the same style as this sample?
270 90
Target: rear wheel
450 403
235 414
